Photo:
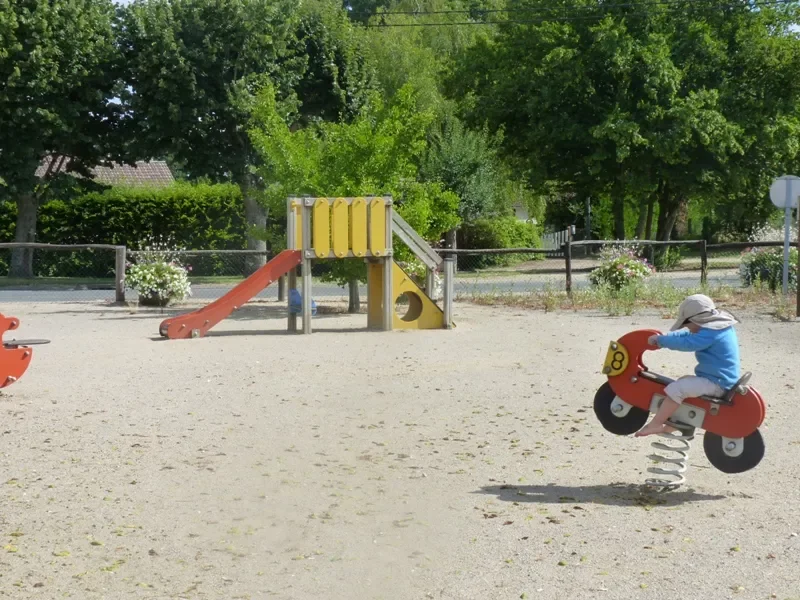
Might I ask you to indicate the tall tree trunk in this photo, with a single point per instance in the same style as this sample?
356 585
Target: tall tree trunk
618 208
651 205
669 208
641 224
354 304
682 220
255 216
672 219
25 233
619 216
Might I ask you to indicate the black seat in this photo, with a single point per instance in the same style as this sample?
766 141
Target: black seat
726 398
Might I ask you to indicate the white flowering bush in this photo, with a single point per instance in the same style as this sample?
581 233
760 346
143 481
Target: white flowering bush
620 266
772 233
157 274
417 271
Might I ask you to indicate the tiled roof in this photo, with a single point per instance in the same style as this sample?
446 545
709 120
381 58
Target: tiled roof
145 173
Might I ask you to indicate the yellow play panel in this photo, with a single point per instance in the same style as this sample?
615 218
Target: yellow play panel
423 313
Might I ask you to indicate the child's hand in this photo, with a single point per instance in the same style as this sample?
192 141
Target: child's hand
653 340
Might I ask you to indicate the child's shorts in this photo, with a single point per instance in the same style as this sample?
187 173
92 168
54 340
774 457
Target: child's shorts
692 386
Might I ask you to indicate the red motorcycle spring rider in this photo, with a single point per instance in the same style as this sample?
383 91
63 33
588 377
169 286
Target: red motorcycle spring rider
732 441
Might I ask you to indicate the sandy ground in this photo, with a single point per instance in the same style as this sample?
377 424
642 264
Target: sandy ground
361 465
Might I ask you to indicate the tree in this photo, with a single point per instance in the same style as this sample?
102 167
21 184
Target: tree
59 69
196 64
631 102
376 154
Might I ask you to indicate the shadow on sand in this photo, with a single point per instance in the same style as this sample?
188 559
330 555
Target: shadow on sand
613 494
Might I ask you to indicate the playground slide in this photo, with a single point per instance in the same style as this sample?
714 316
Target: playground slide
198 322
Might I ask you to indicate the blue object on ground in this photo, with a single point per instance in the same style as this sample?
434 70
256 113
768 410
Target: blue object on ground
296 303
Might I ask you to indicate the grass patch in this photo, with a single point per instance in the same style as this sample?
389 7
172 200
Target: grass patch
659 296
65 282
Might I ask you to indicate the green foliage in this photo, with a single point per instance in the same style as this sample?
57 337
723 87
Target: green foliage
58 68
637 103
500 232
764 266
620 267
375 154
189 85
197 216
467 162
195 66
666 259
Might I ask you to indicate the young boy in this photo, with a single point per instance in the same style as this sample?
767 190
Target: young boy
709 333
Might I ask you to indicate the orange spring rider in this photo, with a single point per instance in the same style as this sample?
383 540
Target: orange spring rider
15 355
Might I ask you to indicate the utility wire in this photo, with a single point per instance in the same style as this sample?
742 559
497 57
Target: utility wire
539 9
599 11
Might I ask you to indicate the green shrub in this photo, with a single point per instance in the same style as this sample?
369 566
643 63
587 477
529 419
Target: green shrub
500 232
667 258
619 268
192 216
765 266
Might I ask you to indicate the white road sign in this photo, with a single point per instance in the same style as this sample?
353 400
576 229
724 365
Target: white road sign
784 191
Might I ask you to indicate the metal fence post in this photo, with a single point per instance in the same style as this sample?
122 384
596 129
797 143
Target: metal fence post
447 300
119 273
568 265
703 262
797 283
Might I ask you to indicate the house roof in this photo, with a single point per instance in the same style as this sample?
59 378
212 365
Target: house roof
144 173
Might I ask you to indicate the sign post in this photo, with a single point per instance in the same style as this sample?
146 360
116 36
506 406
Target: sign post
784 192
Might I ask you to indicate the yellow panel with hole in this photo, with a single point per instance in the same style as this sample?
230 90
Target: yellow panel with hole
339 228
422 311
358 227
298 230
377 227
320 222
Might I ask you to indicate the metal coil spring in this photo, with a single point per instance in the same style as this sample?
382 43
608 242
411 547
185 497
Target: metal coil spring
680 444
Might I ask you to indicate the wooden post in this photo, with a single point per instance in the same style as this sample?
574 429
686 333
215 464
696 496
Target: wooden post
703 263
568 265
306 270
119 273
282 288
388 263
291 244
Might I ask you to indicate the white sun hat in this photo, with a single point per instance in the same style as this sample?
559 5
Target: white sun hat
700 309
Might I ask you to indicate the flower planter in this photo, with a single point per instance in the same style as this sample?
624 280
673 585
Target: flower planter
155 300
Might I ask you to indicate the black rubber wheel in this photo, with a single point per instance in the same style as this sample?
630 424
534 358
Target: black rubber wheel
751 455
630 423
162 331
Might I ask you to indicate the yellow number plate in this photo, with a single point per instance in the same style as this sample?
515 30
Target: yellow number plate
616 360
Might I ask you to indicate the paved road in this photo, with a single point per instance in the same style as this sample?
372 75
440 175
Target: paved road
463 285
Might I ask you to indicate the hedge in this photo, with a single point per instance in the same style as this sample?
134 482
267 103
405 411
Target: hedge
499 232
193 216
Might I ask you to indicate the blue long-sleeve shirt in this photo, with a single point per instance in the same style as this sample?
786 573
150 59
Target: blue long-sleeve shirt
716 350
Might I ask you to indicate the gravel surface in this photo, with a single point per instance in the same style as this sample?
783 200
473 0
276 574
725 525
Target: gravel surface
365 465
